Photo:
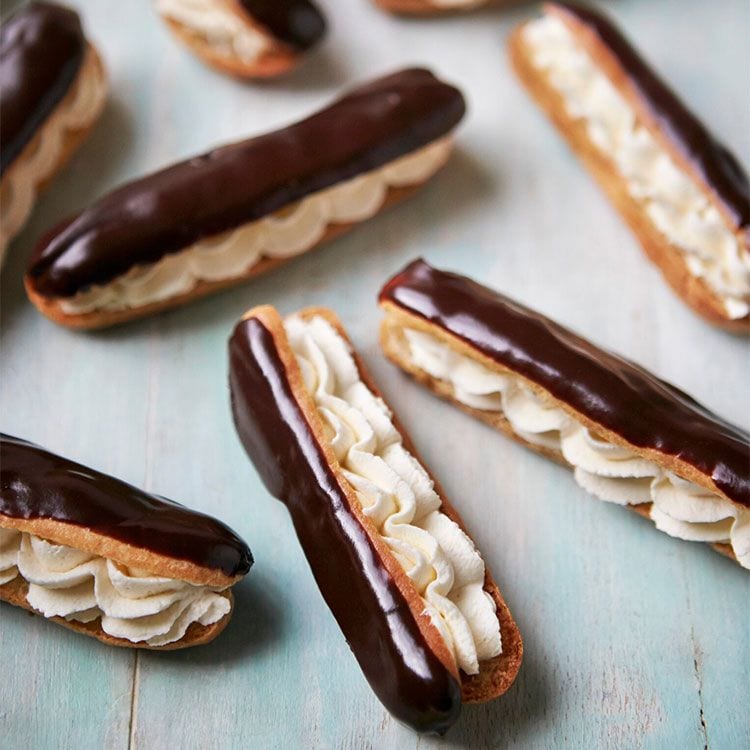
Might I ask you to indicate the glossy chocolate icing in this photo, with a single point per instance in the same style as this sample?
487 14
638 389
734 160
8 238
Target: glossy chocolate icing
610 390
718 168
172 209
375 618
37 484
298 23
41 50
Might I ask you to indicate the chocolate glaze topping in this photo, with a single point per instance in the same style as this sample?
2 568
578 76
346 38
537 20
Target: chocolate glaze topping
41 50
407 677
37 484
718 168
610 390
298 23
172 209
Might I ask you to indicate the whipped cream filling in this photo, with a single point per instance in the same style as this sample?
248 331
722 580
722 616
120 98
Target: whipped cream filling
219 25
284 234
397 494
132 604
674 202
40 158
610 472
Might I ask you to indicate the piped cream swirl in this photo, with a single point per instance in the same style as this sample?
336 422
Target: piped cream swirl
398 495
41 158
284 234
610 472
133 604
674 202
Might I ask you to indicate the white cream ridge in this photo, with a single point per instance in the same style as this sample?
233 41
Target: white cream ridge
284 234
78 586
219 25
675 203
679 508
397 494
18 189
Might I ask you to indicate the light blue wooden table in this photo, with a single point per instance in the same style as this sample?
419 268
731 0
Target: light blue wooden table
632 639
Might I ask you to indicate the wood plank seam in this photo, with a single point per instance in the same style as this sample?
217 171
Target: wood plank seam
699 680
696 661
132 723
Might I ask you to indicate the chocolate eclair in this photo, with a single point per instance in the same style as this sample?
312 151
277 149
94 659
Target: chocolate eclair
108 560
630 437
52 90
246 38
391 557
220 218
681 191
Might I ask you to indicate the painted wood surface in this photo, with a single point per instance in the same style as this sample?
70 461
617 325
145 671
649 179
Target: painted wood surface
632 639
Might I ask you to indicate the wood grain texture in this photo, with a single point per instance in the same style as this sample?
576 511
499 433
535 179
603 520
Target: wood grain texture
632 639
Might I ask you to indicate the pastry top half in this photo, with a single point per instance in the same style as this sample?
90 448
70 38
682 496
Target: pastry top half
70 504
297 23
169 210
617 399
42 48
369 518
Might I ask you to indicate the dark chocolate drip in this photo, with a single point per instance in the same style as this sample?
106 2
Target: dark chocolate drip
41 50
610 390
37 484
170 210
298 23
375 618
716 165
